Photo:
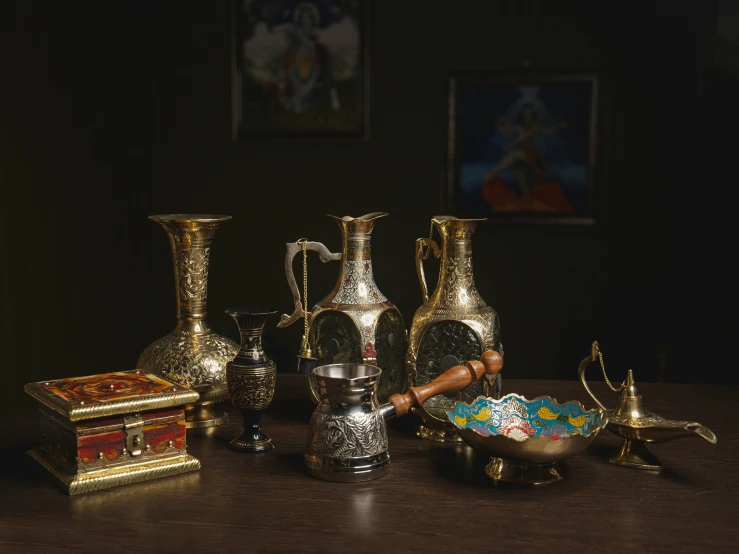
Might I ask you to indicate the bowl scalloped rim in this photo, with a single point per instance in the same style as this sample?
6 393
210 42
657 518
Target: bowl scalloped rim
596 428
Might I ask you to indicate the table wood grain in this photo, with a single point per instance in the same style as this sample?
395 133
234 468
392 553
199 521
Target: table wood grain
436 498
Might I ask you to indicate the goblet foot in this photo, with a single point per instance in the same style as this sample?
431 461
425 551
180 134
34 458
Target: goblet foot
523 473
635 454
252 440
437 435
208 414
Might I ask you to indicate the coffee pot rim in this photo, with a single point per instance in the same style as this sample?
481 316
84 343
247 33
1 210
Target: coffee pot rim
323 370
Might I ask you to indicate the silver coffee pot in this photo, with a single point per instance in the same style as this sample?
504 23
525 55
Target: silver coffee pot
347 440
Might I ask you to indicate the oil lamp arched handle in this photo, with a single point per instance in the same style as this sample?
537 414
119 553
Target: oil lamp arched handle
594 350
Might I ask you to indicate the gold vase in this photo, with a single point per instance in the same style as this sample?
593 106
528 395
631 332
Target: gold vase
452 326
193 355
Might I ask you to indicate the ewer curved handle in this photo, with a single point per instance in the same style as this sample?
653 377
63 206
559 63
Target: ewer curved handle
324 254
420 245
581 372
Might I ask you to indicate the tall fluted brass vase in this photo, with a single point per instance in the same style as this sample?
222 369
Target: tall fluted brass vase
193 355
452 326
251 379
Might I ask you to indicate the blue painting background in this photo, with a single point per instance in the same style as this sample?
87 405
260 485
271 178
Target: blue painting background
481 146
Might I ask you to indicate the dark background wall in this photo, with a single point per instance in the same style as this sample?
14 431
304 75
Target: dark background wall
113 112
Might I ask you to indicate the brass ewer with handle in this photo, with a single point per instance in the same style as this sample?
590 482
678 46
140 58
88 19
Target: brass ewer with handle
635 424
355 323
193 355
452 326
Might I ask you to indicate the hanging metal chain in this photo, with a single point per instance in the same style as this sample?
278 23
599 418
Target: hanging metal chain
303 243
603 368
305 287
428 249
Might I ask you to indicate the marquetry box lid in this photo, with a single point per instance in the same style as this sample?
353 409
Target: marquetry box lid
112 429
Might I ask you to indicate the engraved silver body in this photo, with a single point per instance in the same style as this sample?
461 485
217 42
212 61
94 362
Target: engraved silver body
348 438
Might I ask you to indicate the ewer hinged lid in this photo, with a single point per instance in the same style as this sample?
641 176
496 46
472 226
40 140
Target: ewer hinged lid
637 425
107 394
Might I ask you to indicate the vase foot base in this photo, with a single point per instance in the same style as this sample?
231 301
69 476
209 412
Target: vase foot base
437 435
240 445
198 416
523 473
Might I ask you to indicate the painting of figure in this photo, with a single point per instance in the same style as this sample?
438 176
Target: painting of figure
300 69
523 148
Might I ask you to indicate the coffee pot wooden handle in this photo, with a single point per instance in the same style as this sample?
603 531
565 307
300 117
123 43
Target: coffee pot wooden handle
451 380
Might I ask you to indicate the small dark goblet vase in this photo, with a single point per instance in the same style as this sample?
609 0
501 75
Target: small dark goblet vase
251 379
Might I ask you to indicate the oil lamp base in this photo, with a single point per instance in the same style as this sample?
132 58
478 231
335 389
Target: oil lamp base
634 453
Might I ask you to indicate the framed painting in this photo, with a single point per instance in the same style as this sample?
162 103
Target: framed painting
522 147
300 70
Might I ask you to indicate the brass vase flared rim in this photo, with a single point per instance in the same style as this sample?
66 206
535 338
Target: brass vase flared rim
440 219
196 218
366 217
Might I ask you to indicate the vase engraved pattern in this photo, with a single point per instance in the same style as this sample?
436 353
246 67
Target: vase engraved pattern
461 291
358 285
191 355
355 436
193 270
189 358
254 391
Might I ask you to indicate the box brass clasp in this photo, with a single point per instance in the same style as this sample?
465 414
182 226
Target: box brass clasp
133 425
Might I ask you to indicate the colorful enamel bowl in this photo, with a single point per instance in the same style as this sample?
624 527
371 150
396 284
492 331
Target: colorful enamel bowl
526 438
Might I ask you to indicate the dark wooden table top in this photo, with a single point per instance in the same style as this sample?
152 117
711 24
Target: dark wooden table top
436 497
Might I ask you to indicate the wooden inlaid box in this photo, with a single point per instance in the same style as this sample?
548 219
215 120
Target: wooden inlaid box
112 429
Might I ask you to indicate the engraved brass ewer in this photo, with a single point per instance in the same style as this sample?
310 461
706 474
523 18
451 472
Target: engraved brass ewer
355 323
452 326
347 440
193 355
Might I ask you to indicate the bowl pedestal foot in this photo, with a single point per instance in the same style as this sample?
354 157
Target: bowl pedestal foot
634 453
523 473
437 435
